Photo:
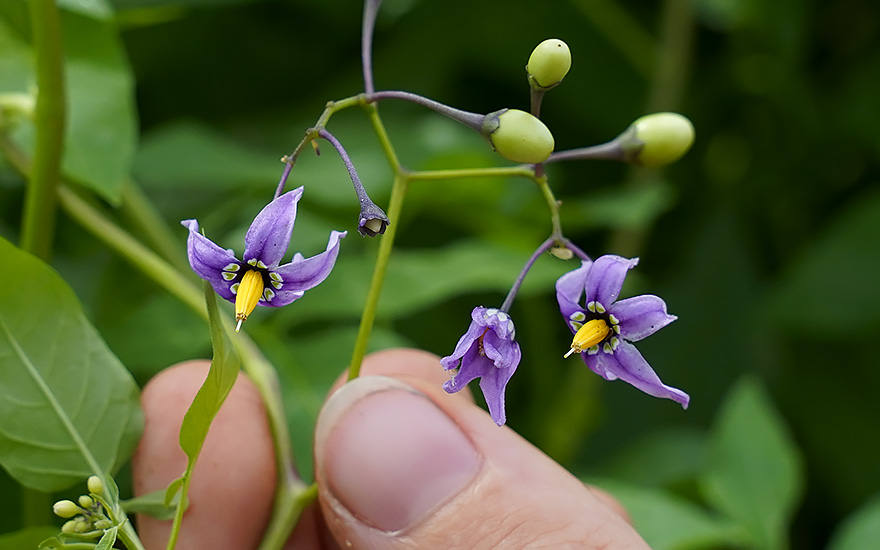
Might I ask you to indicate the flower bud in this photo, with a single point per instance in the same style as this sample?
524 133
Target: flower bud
86 501
95 485
66 509
69 527
103 524
518 136
657 139
548 64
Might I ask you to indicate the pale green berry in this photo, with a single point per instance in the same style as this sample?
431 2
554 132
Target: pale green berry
86 501
548 64
657 139
66 509
518 136
95 485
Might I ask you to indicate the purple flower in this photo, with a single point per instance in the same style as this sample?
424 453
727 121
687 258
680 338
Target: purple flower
487 351
605 326
259 279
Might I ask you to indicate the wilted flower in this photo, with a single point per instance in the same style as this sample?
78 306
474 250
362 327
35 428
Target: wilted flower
487 351
258 279
604 326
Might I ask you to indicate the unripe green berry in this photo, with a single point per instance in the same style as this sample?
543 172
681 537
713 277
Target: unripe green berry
518 136
548 64
66 509
86 501
657 139
95 485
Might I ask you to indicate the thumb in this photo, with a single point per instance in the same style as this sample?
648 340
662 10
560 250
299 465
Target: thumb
404 465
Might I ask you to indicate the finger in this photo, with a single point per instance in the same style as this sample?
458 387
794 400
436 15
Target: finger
405 364
234 479
401 464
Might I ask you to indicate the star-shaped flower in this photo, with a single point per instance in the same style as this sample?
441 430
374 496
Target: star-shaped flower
487 351
604 327
258 279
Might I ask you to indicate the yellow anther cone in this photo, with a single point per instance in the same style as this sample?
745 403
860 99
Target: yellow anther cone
590 334
249 292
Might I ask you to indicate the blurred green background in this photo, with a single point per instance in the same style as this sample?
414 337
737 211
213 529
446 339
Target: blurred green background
763 239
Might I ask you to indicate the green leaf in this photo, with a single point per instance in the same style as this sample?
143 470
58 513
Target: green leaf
152 504
68 407
831 290
28 537
221 376
107 539
98 9
630 207
668 522
101 130
753 469
859 531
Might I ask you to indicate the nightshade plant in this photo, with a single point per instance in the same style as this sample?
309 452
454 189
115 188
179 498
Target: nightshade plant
603 327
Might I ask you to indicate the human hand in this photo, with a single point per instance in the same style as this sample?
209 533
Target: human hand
399 464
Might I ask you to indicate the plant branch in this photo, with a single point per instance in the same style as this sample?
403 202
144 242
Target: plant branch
38 220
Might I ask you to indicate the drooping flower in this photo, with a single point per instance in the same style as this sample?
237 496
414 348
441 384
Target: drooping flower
489 352
258 279
604 326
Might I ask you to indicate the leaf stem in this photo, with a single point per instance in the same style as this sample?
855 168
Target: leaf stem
38 220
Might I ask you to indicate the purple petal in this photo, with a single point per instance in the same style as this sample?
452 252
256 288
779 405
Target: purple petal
465 343
208 260
473 365
641 316
628 364
493 385
570 288
268 236
301 274
597 366
504 353
605 278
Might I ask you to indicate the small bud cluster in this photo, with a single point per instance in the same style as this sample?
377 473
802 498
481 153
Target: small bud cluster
87 516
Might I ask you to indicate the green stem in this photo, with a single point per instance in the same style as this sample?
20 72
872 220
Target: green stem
129 537
132 250
140 212
398 190
553 205
38 222
525 171
288 512
395 206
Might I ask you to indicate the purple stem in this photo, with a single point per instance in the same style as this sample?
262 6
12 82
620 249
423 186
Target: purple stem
371 8
605 151
471 120
284 175
544 247
363 198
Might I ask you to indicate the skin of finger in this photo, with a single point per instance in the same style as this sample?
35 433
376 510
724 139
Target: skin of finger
521 498
234 478
403 363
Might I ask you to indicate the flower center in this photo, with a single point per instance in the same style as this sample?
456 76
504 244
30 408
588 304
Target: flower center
594 328
250 290
590 334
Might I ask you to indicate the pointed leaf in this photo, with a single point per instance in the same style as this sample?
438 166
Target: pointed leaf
108 539
221 376
859 531
753 469
68 408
